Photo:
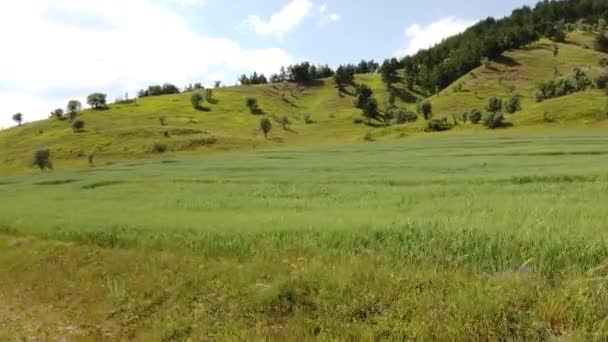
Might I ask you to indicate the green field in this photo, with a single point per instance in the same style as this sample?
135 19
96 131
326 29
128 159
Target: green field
480 236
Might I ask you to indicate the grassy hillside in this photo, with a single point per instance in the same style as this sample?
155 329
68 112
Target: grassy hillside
485 236
131 130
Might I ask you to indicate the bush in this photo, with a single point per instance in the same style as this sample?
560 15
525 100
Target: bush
513 104
42 160
493 120
485 61
601 81
604 62
196 98
265 126
57 114
404 116
159 148
601 43
358 121
494 105
475 116
78 125
439 125
308 119
548 117
252 104
162 120
425 108
285 122
74 106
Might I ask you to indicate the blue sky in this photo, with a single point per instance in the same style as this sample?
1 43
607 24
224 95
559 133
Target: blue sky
55 50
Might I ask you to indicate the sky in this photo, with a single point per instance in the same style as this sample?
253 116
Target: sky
57 50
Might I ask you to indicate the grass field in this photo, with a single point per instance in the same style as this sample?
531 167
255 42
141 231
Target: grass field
486 236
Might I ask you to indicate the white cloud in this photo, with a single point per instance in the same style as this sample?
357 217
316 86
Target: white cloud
326 16
47 59
422 37
281 22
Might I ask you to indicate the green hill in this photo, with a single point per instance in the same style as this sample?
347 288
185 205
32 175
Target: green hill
127 131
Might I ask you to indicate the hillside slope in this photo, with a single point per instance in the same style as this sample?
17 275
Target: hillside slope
127 131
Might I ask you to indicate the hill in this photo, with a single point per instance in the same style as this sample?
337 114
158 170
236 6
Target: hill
133 130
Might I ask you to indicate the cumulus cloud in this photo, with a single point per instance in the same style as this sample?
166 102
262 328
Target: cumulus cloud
49 55
326 16
281 22
422 37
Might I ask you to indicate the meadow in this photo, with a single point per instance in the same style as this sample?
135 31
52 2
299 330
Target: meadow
485 236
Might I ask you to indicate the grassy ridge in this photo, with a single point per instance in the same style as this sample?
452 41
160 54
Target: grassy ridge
129 131
485 236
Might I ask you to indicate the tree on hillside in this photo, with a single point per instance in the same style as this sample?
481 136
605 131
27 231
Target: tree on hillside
57 114
217 84
513 104
555 50
425 108
18 118
196 98
344 76
42 160
389 72
74 106
494 105
601 42
265 126
252 104
367 103
97 101
78 125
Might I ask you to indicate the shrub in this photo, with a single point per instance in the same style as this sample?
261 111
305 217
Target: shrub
548 117
285 122
494 105
493 120
438 125
196 98
358 121
18 118
57 114
604 62
601 81
159 148
601 42
209 95
97 101
475 116
581 80
308 119
78 125
265 126
42 160
74 106
425 108
252 104
162 120
404 116
513 104
368 137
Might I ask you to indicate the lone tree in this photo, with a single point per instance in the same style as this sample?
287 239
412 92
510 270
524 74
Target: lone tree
42 160
344 76
74 106
18 118
97 101
425 108
367 103
601 42
252 104
196 99
494 105
57 113
513 104
265 126
78 125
